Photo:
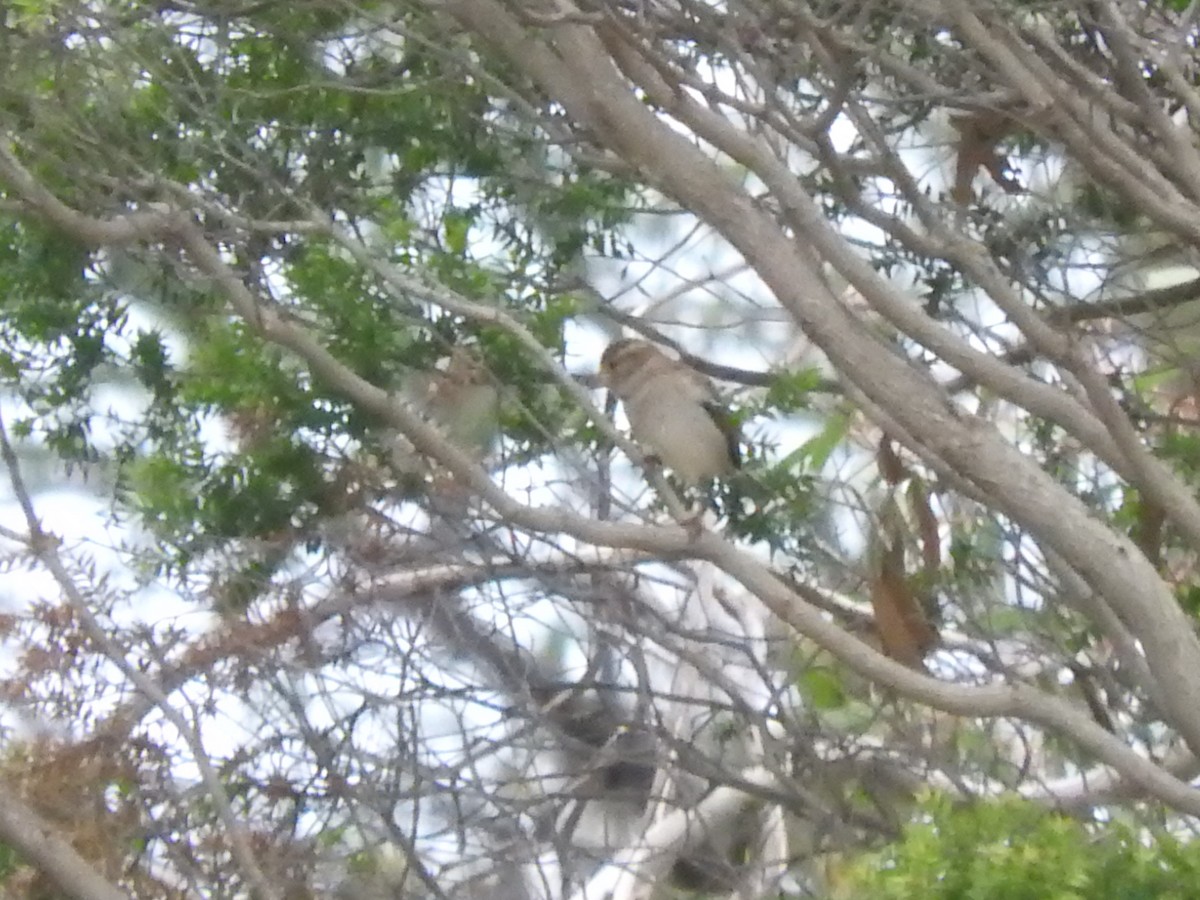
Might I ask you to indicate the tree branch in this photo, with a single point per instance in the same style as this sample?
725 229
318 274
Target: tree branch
1109 562
49 852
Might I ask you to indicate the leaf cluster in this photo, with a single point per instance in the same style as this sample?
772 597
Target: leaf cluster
1016 850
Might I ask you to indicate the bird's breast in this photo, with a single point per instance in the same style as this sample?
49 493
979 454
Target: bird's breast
681 433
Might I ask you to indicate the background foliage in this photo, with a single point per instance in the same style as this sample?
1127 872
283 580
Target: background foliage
330 571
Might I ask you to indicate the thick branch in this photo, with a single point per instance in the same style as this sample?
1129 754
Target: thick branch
1015 484
47 850
1018 486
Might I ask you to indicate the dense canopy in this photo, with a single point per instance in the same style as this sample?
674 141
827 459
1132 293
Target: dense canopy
332 569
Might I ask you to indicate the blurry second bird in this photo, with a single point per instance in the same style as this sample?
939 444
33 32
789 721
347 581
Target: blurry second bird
462 400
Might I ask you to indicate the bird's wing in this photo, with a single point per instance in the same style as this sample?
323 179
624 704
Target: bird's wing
699 389
728 425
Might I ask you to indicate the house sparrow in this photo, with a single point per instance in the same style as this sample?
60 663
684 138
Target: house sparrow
464 401
461 400
673 410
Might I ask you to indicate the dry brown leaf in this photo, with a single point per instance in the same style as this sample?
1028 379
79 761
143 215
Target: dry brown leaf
978 135
904 632
890 466
927 529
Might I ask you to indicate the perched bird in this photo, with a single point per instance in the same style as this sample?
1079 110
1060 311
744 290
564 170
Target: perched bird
673 410
461 400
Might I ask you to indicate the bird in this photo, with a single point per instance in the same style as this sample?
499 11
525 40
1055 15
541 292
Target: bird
461 400
674 412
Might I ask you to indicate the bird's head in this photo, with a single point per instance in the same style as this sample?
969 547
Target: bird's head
624 359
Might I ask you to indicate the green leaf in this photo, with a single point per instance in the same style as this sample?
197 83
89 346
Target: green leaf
815 452
822 688
789 391
457 226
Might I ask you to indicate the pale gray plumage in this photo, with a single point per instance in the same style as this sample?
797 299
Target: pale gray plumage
673 410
